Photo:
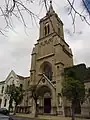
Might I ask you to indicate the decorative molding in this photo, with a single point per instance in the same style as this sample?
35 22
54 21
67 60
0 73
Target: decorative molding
57 44
33 54
51 34
33 70
59 63
54 82
49 55
68 53
43 43
36 43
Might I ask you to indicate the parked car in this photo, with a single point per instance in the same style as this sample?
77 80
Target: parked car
4 117
4 111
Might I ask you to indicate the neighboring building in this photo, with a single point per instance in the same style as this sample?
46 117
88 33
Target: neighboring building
83 74
2 83
18 80
50 56
86 105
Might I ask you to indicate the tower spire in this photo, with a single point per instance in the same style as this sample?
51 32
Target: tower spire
51 7
50 2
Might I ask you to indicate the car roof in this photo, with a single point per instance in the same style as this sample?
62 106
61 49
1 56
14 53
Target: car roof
3 108
3 116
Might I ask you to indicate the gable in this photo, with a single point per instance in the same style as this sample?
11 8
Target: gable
44 81
11 76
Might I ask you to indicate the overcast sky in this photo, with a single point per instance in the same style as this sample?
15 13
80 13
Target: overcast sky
15 50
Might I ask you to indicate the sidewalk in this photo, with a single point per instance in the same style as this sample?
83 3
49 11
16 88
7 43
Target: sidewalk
44 117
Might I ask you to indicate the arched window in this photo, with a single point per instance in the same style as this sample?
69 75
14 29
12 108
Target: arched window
47 29
58 30
5 102
21 86
2 89
48 71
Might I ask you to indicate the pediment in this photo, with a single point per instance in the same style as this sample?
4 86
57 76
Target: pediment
44 81
11 75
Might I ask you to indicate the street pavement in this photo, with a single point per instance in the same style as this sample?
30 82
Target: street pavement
44 118
21 118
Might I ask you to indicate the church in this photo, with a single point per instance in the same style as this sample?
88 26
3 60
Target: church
50 55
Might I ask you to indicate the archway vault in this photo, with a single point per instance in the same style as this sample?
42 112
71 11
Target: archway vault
44 90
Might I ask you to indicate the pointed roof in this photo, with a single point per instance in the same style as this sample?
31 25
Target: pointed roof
51 10
21 77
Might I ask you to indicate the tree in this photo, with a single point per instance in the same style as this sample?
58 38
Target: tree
88 95
73 90
15 8
16 94
35 97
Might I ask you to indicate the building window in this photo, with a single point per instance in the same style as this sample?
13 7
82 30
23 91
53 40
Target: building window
5 102
59 31
47 29
48 71
21 85
89 90
2 89
28 83
0 102
7 88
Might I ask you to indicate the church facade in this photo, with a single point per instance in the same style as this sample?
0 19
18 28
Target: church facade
50 55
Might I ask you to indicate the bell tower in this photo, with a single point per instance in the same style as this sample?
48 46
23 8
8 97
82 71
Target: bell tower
50 55
51 46
50 24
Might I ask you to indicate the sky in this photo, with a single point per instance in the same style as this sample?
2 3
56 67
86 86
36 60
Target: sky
16 48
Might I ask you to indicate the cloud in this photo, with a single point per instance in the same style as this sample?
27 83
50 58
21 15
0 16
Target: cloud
15 50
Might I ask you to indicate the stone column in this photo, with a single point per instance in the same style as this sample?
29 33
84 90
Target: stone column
59 78
33 109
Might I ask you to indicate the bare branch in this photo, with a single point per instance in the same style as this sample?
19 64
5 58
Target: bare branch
17 7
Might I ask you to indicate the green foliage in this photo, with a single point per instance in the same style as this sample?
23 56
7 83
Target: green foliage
35 97
73 89
77 72
33 92
15 93
88 94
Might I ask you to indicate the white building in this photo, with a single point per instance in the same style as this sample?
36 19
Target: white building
12 78
2 83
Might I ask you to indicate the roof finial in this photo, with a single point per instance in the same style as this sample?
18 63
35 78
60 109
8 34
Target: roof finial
51 7
50 11
50 2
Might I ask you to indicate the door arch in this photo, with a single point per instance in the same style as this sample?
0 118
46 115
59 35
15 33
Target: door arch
47 103
45 93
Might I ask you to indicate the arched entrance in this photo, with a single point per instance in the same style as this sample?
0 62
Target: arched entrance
45 93
47 103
